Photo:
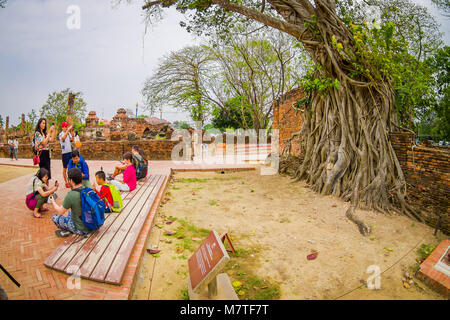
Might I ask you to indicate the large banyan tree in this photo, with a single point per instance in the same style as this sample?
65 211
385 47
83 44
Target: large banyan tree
349 110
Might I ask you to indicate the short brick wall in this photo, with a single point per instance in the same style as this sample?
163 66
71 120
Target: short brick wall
153 149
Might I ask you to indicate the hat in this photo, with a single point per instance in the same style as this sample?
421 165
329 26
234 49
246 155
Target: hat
64 124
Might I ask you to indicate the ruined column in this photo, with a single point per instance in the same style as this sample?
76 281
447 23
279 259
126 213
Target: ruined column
23 125
70 102
6 129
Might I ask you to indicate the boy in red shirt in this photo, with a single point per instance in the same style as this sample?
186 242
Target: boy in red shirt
104 192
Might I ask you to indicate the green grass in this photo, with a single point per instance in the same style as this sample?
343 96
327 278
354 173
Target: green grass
212 202
246 283
285 220
185 294
201 180
188 231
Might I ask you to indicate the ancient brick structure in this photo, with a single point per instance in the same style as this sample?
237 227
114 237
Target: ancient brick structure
6 129
426 168
123 128
92 150
287 119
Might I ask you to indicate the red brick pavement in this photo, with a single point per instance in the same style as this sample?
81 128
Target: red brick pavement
25 242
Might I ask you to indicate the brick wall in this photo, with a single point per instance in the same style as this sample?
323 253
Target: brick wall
153 149
288 120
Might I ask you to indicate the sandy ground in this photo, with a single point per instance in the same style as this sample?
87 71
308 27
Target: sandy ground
11 172
279 222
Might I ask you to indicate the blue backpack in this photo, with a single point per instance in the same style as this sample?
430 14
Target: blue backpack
92 209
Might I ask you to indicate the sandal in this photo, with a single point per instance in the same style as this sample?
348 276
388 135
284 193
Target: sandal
62 233
40 216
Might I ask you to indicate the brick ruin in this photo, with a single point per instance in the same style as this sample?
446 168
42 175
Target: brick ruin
124 128
426 168
115 137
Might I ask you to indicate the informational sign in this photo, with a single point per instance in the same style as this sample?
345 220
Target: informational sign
207 261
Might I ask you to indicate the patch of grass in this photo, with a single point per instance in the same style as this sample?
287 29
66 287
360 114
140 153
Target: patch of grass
192 180
246 283
202 180
175 188
188 231
423 252
285 220
185 294
212 202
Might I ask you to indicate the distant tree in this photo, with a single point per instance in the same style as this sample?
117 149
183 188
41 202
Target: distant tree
32 117
443 5
233 115
55 108
179 82
1 122
181 125
3 3
441 63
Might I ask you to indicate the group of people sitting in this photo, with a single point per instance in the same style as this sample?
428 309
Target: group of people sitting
68 218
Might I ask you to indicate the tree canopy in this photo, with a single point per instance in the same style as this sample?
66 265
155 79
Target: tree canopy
352 89
55 108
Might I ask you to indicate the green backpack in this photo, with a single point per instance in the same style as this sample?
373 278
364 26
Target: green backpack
117 198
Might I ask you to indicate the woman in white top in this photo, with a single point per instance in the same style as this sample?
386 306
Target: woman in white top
41 141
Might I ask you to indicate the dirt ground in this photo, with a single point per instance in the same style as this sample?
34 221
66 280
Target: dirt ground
274 224
11 172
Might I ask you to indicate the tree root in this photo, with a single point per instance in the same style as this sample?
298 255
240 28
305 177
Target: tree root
364 229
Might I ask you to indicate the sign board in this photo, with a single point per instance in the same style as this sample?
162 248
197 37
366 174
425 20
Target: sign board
207 261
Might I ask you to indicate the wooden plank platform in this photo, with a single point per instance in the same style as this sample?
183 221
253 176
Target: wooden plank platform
104 254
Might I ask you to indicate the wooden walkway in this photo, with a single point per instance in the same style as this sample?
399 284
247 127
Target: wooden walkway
104 254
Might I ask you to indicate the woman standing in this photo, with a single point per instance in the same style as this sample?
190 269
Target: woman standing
41 140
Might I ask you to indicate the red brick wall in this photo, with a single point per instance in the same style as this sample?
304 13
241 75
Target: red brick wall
288 120
153 149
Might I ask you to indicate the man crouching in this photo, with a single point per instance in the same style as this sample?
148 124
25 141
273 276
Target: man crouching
68 219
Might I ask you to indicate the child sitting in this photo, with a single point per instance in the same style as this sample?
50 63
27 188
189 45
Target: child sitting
78 161
129 175
105 192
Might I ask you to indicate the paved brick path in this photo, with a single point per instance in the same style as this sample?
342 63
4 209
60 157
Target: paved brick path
25 242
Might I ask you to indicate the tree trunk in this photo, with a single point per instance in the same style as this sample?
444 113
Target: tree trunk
346 132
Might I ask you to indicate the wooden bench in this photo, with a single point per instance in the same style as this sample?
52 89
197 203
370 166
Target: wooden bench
104 254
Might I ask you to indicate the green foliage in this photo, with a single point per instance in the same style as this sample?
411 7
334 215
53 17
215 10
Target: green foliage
235 113
435 117
315 81
397 50
181 125
55 108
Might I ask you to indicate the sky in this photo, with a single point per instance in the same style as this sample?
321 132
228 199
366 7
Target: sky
107 58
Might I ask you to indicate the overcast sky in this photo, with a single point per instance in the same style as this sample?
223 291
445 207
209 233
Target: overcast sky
107 59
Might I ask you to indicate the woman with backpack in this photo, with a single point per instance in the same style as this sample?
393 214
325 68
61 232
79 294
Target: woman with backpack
38 192
41 141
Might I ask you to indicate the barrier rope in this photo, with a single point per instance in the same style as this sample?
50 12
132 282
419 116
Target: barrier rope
384 270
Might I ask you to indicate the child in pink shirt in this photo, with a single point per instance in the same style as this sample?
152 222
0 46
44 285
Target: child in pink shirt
129 175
